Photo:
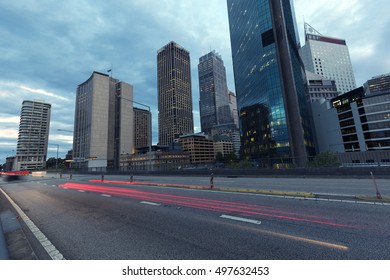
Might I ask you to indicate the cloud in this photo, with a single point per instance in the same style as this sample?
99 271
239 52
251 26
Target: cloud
42 92
47 49
6 118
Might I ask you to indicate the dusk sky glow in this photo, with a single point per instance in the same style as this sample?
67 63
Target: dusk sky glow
50 47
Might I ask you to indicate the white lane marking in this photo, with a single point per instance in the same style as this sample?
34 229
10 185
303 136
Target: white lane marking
150 203
47 245
105 195
81 191
54 185
241 219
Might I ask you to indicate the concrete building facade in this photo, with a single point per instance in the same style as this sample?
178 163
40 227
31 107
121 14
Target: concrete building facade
175 115
142 129
33 137
199 146
104 120
328 57
355 125
320 88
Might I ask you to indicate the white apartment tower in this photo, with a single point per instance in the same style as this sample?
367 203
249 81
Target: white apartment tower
33 135
328 57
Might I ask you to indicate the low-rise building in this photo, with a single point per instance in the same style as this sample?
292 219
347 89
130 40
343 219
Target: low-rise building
161 158
199 146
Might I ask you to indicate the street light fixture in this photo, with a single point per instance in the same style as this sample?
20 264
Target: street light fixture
150 129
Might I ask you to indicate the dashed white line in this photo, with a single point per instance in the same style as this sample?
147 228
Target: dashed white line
105 195
257 222
150 203
81 191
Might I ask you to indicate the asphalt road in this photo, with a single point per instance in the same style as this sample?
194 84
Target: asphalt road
85 220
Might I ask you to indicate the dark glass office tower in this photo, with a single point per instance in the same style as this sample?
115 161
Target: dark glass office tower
214 103
269 78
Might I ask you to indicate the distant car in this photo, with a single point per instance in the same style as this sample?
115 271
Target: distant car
13 175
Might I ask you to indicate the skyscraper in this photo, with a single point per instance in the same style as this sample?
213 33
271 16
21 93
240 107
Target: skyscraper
33 135
103 126
174 93
233 107
142 122
328 57
269 78
213 96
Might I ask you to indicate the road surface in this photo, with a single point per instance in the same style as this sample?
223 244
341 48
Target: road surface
100 220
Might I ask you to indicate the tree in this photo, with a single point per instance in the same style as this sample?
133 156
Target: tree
51 163
325 159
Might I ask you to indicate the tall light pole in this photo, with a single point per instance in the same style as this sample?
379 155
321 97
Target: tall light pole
150 129
58 146
71 131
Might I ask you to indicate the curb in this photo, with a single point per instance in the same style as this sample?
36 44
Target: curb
3 245
308 195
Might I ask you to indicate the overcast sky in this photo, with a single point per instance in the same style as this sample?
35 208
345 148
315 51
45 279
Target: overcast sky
49 47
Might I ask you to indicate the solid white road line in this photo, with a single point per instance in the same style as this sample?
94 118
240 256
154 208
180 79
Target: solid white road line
47 245
241 219
150 203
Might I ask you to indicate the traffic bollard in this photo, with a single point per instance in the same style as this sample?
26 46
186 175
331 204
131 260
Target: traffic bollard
212 181
102 177
131 178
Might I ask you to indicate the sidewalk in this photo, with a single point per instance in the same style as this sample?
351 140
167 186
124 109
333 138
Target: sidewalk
13 241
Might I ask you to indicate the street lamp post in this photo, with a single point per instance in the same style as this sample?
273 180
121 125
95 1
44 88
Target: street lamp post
58 146
71 131
150 129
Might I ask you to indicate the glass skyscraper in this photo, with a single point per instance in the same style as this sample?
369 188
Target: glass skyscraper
269 78
213 97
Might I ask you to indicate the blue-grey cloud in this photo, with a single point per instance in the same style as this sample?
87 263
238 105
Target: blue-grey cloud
49 47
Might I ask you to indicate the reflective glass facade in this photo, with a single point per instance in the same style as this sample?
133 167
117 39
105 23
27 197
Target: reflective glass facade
269 79
213 97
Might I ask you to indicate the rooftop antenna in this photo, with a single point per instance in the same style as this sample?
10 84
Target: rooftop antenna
311 30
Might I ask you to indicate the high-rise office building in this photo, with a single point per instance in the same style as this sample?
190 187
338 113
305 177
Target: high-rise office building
103 126
378 85
269 79
142 123
31 151
214 104
319 88
175 115
233 107
328 57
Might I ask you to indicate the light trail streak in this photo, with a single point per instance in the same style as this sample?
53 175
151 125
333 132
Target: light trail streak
206 204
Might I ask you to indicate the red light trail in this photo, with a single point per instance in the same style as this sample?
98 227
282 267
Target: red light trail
206 204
